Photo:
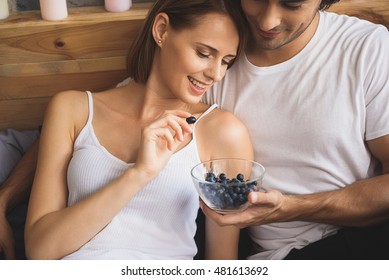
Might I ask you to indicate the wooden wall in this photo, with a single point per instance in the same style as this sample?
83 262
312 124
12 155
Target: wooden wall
39 58
86 51
376 11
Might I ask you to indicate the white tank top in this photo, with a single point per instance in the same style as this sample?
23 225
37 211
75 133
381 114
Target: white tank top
158 223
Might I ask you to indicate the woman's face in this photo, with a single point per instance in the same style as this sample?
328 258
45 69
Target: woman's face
190 61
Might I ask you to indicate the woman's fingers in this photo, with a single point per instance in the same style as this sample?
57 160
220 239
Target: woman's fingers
160 139
175 122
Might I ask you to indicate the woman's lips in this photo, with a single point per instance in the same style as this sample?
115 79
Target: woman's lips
197 87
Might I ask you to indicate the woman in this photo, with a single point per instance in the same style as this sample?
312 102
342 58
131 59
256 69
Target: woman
113 176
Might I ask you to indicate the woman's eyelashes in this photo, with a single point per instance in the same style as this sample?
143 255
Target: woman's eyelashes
228 62
203 54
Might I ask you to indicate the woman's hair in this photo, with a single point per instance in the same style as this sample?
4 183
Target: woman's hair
183 14
325 4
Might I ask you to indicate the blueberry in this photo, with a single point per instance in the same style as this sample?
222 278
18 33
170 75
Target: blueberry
240 177
234 196
210 177
222 181
237 190
252 186
235 181
228 202
242 199
191 119
227 193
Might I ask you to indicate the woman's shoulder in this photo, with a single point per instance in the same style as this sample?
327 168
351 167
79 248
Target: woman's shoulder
222 134
69 98
222 119
68 108
220 125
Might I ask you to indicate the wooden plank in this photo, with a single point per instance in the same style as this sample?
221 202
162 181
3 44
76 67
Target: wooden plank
376 11
67 42
38 58
64 67
47 85
23 113
77 16
25 108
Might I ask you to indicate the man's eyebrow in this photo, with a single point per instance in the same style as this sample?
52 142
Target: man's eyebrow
294 1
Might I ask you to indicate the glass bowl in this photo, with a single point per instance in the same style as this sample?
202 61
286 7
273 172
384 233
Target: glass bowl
223 184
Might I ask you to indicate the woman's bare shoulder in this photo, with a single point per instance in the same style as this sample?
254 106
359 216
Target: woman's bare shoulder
223 120
222 134
69 98
68 108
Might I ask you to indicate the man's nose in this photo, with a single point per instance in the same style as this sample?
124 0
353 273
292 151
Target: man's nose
269 18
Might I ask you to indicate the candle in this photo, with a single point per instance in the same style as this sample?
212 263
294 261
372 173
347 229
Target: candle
4 10
117 5
53 9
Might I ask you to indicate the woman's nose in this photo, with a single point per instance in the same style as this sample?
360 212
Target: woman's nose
216 71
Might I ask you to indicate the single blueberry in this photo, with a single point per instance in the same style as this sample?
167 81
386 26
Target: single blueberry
222 176
240 177
237 189
235 181
242 198
210 177
229 202
191 119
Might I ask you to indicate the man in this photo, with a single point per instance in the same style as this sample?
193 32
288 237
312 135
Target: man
18 153
313 89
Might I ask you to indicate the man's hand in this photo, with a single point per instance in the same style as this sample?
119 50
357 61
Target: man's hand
6 239
265 209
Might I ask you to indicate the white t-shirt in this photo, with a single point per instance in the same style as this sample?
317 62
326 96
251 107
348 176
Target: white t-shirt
309 118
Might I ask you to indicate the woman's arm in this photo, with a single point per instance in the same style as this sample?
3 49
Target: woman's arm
54 230
225 137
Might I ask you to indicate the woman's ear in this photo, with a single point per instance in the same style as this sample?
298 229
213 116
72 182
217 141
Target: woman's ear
160 28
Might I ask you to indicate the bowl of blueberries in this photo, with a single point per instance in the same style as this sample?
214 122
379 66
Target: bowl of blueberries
224 184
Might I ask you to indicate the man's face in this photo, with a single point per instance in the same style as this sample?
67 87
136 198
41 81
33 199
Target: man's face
275 23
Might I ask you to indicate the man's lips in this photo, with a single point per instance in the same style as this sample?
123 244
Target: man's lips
268 35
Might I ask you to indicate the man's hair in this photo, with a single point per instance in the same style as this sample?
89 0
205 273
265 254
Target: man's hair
325 4
183 14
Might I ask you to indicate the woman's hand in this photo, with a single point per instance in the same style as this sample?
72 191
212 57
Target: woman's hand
160 140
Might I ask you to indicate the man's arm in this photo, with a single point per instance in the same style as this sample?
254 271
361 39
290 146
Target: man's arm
13 191
362 203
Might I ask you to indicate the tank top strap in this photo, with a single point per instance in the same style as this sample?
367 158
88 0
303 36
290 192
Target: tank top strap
90 105
213 106
194 138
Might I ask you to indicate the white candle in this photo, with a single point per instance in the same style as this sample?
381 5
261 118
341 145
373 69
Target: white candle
117 5
53 9
4 10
